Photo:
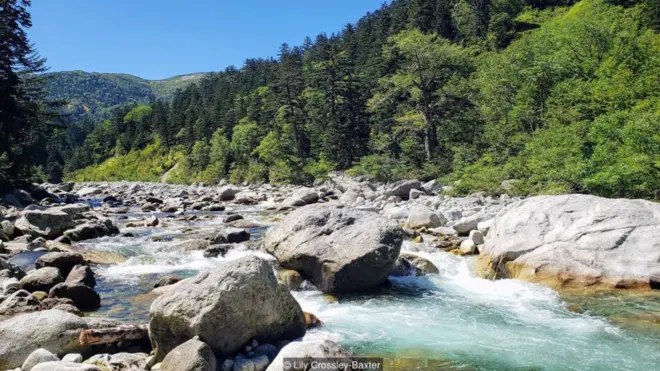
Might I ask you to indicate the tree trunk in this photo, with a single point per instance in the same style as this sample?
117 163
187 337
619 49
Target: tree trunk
114 334
429 137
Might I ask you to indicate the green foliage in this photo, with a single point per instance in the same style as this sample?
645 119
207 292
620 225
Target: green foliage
148 164
543 95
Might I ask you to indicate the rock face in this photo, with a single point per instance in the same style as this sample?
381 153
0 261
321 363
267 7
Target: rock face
48 224
193 355
54 330
239 301
573 241
340 250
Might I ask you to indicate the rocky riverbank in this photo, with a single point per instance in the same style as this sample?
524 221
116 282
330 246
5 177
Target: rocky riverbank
342 237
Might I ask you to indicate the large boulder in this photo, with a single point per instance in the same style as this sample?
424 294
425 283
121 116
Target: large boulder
193 355
65 366
573 241
341 250
42 279
239 301
54 330
48 224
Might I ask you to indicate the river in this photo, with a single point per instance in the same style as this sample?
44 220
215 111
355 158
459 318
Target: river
451 320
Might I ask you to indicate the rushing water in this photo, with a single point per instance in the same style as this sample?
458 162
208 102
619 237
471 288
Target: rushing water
452 320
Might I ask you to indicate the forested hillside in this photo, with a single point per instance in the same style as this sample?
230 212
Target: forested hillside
560 96
96 94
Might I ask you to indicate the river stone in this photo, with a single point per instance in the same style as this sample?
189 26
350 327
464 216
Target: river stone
81 274
573 241
402 188
410 264
308 350
91 230
468 223
38 356
65 366
48 223
64 261
74 210
41 279
341 250
477 237
308 195
231 218
238 301
216 250
227 193
167 280
423 217
54 330
72 358
193 355
84 297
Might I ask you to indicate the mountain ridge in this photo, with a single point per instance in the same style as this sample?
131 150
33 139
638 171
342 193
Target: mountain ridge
97 93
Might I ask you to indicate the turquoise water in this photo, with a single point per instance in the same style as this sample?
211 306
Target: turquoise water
451 320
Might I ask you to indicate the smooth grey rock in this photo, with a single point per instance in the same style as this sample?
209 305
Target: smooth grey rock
91 230
308 195
38 356
48 224
468 247
308 349
477 237
227 193
402 188
65 366
423 217
193 355
54 330
443 231
81 274
238 301
431 187
42 279
413 265
72 358
415 194
467 224
588 239
339 249
74 210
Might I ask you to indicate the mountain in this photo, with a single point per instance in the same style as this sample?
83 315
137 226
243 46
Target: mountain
97 93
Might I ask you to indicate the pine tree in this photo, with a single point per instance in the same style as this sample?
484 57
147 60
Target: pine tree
22 113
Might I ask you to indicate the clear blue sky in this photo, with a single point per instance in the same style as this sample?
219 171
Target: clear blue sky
155 39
